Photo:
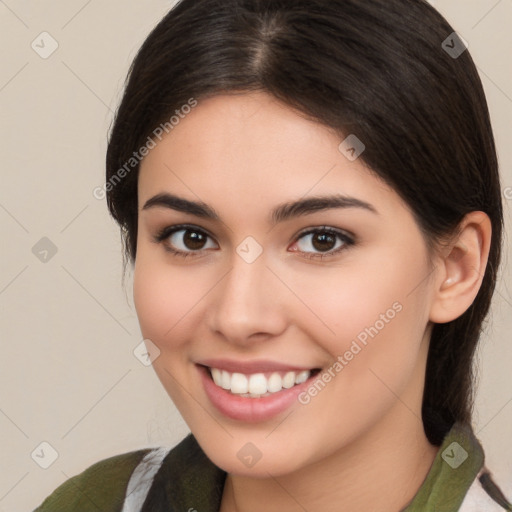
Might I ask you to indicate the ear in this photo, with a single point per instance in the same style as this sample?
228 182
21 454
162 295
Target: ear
461 268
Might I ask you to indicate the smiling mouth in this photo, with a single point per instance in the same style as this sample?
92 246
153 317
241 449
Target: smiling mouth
258 385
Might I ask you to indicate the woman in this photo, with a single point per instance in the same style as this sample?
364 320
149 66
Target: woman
308 191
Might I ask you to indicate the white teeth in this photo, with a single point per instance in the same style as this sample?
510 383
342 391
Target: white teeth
302 377
217 376
225 380
257 384
289 380
239 383
274 383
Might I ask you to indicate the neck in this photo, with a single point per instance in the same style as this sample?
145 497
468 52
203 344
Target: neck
381 471
377 473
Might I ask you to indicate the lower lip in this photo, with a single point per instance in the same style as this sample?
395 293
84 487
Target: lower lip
250 410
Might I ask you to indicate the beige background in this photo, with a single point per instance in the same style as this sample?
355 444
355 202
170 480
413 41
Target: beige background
68 375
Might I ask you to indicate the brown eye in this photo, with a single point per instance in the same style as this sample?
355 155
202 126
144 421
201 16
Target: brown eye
324 242
320 242
188 240
193 240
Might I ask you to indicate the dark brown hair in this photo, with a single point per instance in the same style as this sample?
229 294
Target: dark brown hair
373 68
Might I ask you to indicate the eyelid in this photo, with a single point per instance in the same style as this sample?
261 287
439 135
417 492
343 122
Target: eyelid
348 240
167 231
347 237
328 229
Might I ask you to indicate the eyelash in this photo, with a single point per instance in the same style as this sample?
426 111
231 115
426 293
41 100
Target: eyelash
166 232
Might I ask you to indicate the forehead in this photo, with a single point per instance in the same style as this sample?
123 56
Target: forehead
251 150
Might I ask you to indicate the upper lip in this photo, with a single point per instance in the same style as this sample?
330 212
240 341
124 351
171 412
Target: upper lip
249 367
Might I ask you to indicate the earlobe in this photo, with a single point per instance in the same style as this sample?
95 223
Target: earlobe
461 268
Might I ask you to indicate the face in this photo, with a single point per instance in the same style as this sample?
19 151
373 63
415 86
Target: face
281 326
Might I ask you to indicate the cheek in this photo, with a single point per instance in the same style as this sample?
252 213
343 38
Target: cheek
379 326
164 298
374 314
351 298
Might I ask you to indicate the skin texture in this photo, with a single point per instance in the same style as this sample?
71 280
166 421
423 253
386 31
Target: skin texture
243 155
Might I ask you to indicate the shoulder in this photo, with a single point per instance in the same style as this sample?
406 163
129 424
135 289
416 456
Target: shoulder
484 494
186 476
152 479
458 478
101 486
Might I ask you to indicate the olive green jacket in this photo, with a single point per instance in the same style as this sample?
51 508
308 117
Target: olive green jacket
183 479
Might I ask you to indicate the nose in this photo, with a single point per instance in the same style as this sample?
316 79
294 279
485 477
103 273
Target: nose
247 304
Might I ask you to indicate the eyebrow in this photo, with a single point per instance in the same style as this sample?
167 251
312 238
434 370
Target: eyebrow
281 213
